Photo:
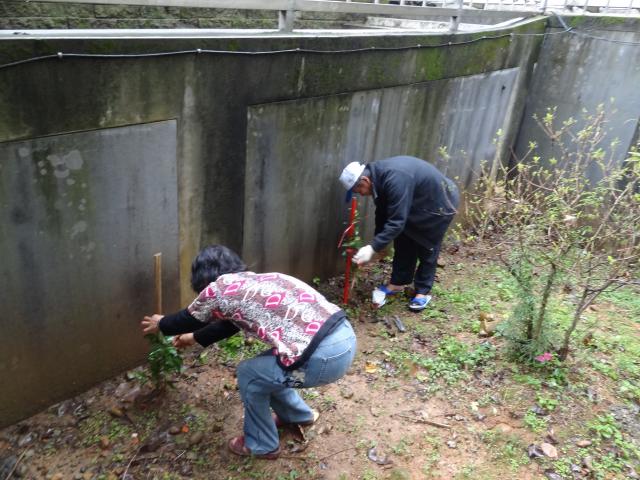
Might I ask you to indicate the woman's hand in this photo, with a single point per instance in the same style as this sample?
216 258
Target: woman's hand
184 340
150 324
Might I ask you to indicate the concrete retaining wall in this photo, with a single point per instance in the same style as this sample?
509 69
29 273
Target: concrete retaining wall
598 64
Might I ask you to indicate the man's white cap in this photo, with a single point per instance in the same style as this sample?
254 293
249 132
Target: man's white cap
351 174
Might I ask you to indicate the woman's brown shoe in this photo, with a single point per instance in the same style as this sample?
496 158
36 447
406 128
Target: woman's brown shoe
236 445
281 423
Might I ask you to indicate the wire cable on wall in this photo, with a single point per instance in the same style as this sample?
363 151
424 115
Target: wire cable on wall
197 51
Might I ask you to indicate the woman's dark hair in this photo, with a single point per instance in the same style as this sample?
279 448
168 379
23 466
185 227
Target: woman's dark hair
211 262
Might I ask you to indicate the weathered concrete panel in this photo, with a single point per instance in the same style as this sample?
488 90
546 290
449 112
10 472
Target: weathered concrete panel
293 152
296 150
81 216
461 115
577 73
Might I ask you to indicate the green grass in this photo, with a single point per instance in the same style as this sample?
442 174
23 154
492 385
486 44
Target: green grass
534 423
608 436
369 475
506 449
237 348
101 424
453 361
402 447
292 475
614 351
627 299
548 403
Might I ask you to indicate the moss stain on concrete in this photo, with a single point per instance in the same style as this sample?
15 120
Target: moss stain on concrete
46 184
432 62
600 21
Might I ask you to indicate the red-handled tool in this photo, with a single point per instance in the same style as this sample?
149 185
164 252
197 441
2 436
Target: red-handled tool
348 233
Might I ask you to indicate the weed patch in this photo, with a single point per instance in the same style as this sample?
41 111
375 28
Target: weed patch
453 361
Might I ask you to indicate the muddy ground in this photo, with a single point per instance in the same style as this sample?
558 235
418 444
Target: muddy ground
434 401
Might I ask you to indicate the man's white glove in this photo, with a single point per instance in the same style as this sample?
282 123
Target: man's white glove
364 255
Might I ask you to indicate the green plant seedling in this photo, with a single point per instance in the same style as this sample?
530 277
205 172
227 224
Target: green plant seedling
164 359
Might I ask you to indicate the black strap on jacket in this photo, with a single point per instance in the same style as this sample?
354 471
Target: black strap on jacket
327 328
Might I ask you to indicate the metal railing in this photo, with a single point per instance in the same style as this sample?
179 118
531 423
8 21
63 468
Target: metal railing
622 7
603 6
473 11
287 9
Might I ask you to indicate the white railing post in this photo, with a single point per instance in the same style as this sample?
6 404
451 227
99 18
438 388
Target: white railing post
285 20
287 17
455 19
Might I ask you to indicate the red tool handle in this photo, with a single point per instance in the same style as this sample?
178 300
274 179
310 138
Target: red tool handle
350 251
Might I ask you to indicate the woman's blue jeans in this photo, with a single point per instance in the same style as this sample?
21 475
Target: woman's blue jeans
264 385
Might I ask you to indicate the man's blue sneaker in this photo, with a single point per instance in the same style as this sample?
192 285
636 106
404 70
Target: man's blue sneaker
418 304
384 289
381 293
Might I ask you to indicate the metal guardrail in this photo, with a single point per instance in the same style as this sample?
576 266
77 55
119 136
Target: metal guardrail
473 11
287 9
603 6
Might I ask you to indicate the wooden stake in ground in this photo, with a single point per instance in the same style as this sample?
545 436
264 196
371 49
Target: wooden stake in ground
157 260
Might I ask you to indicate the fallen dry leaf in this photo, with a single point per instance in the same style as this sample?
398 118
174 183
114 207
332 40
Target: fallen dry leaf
370 367
549 450
534 451
381 459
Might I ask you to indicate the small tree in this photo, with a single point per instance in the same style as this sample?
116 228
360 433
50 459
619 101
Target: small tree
570 219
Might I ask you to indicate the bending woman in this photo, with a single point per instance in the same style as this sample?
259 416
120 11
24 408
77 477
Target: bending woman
312 341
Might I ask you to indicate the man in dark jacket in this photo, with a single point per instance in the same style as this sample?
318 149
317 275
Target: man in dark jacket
415 205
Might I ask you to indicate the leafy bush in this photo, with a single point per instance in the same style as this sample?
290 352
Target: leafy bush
569 220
